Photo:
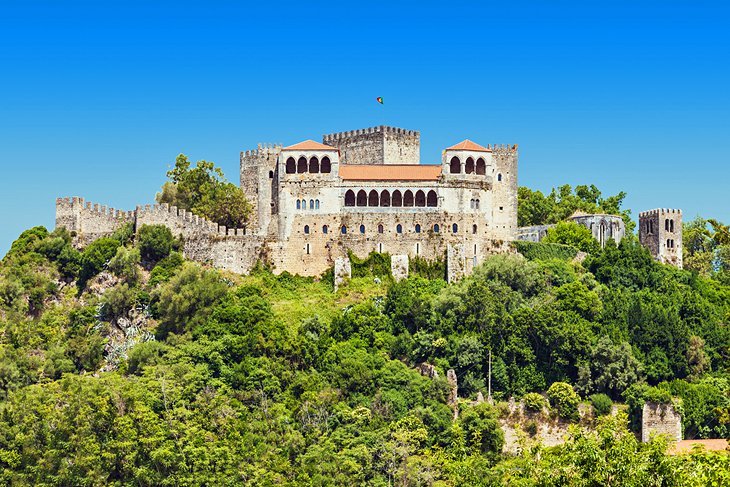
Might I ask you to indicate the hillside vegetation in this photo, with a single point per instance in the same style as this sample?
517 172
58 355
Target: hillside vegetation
124 364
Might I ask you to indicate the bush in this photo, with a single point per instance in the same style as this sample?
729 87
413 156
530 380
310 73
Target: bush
155 242
124 264
544 251
96 256
534 402
564 400
602 404
531 428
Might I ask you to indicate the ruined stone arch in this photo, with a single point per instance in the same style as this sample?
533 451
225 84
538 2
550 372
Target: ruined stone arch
350 198
385 198
373 198
420 198
302 165
408 198
455 165
469 167
325 166
362 198
397 200
314 165
291 166
432 199
481 167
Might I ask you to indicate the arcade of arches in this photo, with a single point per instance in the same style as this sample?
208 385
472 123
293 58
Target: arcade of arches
312 166
397 198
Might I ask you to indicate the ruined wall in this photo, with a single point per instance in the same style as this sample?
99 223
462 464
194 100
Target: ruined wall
534 233
377 145
89 220
660 231
399 266
660 419
603 227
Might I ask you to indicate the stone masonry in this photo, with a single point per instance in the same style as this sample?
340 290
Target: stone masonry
359 191
660 419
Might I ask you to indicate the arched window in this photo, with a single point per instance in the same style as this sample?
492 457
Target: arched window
299 205
397 199
474 229
325 229
455 166
316 204
343 230
666 226
385 198
362 228
408 198
291 166
454 228
302 165
476 204
499 177
373 198
306 229
362 198
314 165
311 204
380 228
436 228
420 198
469 169
350 198
471 203
326 166
418 228
432 199
304 204
399 228
481 167
271 174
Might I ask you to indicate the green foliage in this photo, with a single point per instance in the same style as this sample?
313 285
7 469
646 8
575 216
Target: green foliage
602 404
428 269
544 251
482 432
374 265
95 257
155 242
204 191
125 264
534 402
611 369
564 400
574 235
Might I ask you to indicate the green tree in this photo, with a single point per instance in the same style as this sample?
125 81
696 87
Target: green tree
570 233
564 399
155 242
205 191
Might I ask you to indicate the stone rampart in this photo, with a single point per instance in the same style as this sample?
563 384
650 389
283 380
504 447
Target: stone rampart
89 220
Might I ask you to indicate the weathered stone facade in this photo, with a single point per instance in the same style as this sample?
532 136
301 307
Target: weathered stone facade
660 231
660 419
602 226
310 207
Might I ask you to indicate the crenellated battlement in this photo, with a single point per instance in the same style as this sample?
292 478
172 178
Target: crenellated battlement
659 211
385 129
262 150
502 147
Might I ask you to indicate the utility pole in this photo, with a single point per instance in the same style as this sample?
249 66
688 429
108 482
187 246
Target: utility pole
489 393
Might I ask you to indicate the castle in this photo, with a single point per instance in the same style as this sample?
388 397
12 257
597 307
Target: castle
358 191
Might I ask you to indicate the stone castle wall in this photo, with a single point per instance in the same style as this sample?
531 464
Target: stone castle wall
377 145
89 220
660 419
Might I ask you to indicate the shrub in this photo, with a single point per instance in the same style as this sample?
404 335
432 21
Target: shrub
564 400
602 404
155 242
96 256
544 251
124 264
531 427
534 401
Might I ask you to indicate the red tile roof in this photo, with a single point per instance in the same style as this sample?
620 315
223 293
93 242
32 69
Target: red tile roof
467 144
309 145
686 446
390 172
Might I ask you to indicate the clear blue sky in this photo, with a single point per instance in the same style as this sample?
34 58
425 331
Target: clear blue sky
97 98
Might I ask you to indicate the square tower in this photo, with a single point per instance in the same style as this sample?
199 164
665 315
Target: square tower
660 231
377 145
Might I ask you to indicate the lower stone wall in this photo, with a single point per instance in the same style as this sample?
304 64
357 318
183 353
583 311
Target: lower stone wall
660 419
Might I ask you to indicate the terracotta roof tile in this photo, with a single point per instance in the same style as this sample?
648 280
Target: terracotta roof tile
467 144
390 172
309 145
686 446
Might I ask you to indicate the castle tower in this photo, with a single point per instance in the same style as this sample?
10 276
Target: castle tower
259 181
377 145
660 231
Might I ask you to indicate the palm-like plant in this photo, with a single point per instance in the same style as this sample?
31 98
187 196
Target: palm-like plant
720 232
